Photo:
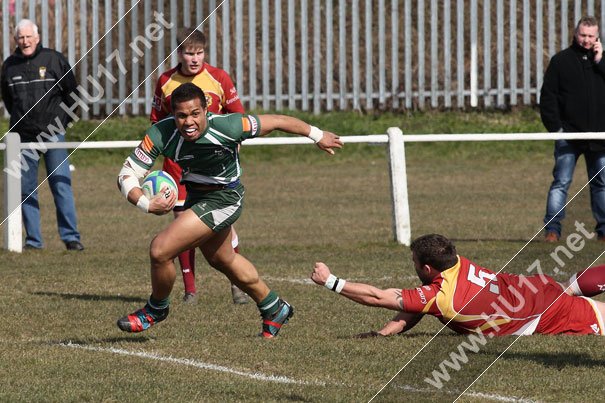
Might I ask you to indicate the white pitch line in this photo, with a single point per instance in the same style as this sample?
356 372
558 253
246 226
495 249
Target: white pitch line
293 280
193 363
267 378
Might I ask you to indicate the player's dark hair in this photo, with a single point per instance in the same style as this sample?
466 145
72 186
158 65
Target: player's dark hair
186 92
589 21
190 37
435 250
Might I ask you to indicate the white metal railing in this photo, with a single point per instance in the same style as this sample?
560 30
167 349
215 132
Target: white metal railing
12 195
394 138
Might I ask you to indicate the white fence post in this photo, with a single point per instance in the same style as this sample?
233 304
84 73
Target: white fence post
12 194
399 187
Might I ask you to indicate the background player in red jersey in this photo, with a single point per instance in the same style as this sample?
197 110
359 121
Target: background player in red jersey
221 97
471 299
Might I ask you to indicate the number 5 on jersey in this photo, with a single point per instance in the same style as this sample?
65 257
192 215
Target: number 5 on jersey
482 278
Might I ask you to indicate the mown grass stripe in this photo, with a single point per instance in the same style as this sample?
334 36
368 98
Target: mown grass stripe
481 395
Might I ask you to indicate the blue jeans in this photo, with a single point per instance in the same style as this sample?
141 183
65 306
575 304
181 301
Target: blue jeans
566 157
60 186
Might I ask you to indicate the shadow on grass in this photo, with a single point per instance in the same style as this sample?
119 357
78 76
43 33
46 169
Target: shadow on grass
559 360
95 342
90 297
411 335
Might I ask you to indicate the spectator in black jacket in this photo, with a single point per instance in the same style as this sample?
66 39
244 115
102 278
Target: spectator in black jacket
573 100
35 83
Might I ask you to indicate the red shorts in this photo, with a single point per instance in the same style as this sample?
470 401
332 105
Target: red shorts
176 172
571 315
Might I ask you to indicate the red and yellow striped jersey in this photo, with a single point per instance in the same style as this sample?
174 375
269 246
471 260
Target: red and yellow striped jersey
221 95
470 298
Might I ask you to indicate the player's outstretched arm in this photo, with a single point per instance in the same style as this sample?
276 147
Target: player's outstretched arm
402 322
361 293
325 140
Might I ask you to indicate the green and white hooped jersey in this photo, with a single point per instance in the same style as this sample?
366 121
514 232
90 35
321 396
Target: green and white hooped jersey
211 159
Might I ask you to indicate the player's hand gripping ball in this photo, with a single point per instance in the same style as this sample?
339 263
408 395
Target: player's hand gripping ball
159 182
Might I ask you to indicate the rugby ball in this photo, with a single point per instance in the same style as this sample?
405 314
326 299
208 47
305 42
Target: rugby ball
159 182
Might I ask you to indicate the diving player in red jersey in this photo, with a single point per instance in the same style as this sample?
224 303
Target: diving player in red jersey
221 97
469 298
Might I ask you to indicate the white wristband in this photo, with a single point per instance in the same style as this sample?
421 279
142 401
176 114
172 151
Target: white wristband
143 203
340 284
316 134
334 283
330 281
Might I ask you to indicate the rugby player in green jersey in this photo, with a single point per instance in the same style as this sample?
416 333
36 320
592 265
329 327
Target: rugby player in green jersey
206 147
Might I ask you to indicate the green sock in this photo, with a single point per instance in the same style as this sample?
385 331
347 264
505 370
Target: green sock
268 306
158 304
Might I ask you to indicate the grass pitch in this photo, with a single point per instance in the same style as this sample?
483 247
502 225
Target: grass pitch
59 341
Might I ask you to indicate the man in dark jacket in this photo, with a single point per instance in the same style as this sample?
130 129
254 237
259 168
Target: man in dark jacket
573 100
35 82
